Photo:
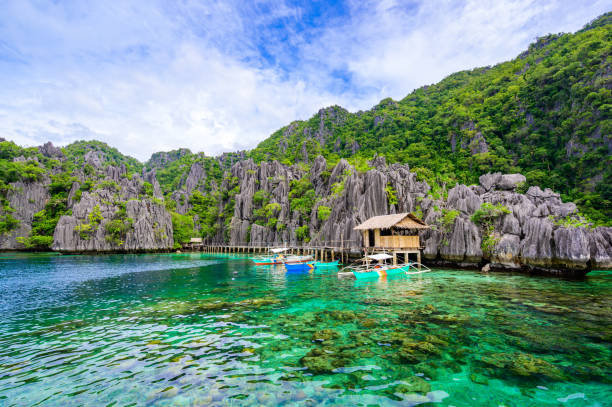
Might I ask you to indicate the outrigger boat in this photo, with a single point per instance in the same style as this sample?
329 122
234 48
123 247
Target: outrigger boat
380 268
311 265
300 266
279 258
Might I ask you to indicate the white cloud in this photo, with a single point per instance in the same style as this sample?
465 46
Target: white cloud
154 76
396 47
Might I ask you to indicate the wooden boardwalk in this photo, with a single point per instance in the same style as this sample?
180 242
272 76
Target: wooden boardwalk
342 251
330 252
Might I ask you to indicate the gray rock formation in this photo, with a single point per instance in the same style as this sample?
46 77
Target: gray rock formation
26 198
526 238
146 225
49 150
535 235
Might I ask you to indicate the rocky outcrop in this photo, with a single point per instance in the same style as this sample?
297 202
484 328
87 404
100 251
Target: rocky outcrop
504 182
49 150
26 199
272 179
319 204
529 237
162 158
116 217
600 244
463 245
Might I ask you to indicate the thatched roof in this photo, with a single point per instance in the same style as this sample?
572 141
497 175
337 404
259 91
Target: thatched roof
397 220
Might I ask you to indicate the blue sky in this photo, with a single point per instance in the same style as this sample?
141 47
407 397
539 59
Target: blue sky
216 76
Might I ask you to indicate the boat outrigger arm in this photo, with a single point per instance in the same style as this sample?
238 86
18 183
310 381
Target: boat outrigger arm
381 269
421 267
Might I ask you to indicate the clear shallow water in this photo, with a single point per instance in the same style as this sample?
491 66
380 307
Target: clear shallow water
194 329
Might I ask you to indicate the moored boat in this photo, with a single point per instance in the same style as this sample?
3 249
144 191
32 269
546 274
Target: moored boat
276 257
380 268
267 260
297 259
297 267
279 258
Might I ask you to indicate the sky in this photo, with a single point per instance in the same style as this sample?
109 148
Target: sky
216 76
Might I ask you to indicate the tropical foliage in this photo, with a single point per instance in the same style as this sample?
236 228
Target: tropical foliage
546 114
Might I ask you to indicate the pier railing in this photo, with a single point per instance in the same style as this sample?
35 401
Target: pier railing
328 251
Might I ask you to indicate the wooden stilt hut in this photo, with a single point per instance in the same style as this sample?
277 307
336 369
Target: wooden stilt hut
395 234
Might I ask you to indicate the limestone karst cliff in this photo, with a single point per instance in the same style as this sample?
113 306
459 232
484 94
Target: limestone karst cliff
117 214
86 205
108 208
537 233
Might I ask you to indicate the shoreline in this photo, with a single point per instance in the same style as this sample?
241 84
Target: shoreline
438 263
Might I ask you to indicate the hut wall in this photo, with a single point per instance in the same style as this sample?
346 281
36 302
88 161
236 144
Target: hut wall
398 242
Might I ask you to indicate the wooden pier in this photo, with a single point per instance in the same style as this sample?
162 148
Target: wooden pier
343 251
395 234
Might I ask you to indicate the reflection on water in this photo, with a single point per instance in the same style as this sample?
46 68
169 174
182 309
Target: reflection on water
193 329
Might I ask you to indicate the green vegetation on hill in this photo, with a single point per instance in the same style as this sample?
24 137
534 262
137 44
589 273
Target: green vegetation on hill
211 201
32 168
75 154
172 168
60 174
546 114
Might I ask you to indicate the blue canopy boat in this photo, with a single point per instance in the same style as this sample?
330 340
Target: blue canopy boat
298 267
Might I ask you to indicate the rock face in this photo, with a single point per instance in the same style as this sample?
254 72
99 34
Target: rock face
49 150
529 237
26 199
116 217
276 204
362 196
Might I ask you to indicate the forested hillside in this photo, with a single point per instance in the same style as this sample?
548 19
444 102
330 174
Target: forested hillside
98 191
546 114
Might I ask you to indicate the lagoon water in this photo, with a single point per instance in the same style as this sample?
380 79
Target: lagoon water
192 329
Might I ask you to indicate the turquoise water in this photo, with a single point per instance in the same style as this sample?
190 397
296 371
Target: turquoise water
191 329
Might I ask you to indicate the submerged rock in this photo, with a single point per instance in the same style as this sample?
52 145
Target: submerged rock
322 361
413 384
341 316
325 335
522 364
